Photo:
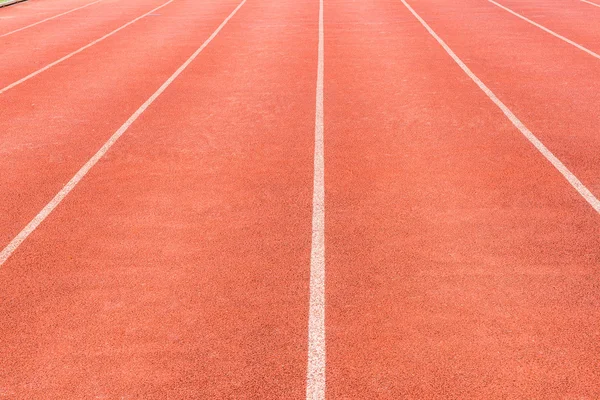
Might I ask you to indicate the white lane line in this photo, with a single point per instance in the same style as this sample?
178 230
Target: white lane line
41 216
589 2
48 19
315 373
87 46
569 176
564 39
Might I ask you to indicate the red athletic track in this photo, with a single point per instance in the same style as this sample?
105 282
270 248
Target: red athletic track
460 263
56 38
78 104
169 272
573 19
29 12
552 86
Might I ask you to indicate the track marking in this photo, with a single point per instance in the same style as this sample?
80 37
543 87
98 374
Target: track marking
564 39
589 2
315 375
41 216
87 46
48 19
569 176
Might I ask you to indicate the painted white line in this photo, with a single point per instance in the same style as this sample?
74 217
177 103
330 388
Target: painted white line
564 39
41 216
48 19
87 46
589 2
315 373
10 3
569 176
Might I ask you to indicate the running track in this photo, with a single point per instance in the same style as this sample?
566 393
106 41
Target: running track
391 199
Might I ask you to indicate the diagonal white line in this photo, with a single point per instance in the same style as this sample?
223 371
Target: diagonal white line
569 176
41 216
564 39
315 375
49 19
589 2
39 71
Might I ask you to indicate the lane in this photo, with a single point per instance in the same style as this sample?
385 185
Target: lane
91 163
30 12
550 85
576 20
178 268
583 191
51 125
50 18
33 49
460 263
66 57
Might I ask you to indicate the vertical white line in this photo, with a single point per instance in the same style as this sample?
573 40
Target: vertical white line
60 196
315 375
49 19
569 176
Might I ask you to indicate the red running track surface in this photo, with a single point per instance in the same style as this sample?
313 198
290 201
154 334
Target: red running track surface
21 15
26 51
460 264
179 268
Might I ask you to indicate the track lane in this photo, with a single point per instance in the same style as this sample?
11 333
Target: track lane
550 85
30 50
460 264
583 191
26 13
104 149
573 19
50 18
51 125
179 266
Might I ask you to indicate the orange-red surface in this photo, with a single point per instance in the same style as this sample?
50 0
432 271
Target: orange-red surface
460 264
